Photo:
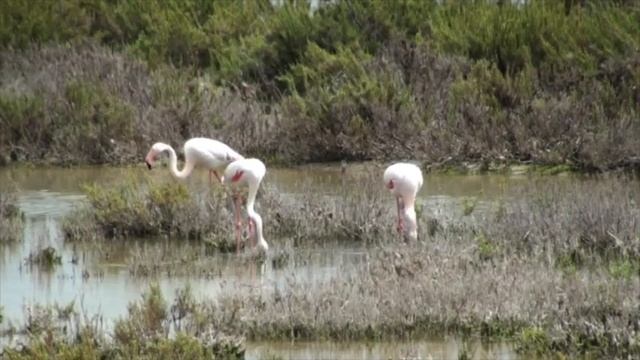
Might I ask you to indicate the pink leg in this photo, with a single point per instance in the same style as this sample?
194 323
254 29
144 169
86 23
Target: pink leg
400 226
238 221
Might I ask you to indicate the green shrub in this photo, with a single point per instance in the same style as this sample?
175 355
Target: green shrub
624 269
84 118
533 340
23 122
347 98
23 22
539 34
92 119
486 248
480 81
149 208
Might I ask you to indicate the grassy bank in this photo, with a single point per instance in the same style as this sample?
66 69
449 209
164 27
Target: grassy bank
99 82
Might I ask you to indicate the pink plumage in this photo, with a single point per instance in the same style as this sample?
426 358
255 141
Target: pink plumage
404 180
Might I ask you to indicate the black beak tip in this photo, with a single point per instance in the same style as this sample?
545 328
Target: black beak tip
148 165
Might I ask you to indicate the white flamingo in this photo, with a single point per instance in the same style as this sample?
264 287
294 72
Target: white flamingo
404 180
247 173
198 152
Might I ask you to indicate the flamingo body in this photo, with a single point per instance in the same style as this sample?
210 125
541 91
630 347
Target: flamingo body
404 180
207 153
247 173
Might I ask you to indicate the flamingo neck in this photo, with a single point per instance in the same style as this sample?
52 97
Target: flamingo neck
257 219
411 223
173 165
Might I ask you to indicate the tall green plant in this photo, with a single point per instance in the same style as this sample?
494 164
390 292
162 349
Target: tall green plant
538 33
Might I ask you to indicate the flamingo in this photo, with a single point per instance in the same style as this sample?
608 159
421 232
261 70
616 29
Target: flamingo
404 180
208 153
247 173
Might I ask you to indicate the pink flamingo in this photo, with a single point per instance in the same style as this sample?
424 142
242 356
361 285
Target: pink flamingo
247 173
208 153
404 180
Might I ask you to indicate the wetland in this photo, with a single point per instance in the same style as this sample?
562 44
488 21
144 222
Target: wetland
533 251
507 265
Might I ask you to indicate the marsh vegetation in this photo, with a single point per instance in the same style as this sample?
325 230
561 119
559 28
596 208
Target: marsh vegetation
154 208
543 82
46 258
10 218
554 267
65 333
551 266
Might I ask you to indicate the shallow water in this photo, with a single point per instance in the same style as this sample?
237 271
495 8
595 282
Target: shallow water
106 287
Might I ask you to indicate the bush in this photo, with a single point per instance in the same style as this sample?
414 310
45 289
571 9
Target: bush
538 34
538 82
148 208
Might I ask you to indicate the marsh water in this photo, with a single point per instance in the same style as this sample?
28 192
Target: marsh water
98 278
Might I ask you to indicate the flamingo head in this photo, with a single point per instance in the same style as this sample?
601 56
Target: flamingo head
390 185
154 154
232 177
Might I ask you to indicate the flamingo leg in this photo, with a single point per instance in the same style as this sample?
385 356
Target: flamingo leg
400 226
238 221
252 232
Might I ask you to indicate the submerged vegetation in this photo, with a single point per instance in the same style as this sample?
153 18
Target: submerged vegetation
46 258
446 82
10 219
63 333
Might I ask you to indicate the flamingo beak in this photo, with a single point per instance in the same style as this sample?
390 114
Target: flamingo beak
149 161
390 185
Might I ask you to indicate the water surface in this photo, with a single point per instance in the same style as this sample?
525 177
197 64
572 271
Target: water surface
106 287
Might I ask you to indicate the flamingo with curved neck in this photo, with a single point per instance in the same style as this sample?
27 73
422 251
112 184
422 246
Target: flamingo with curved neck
198 152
